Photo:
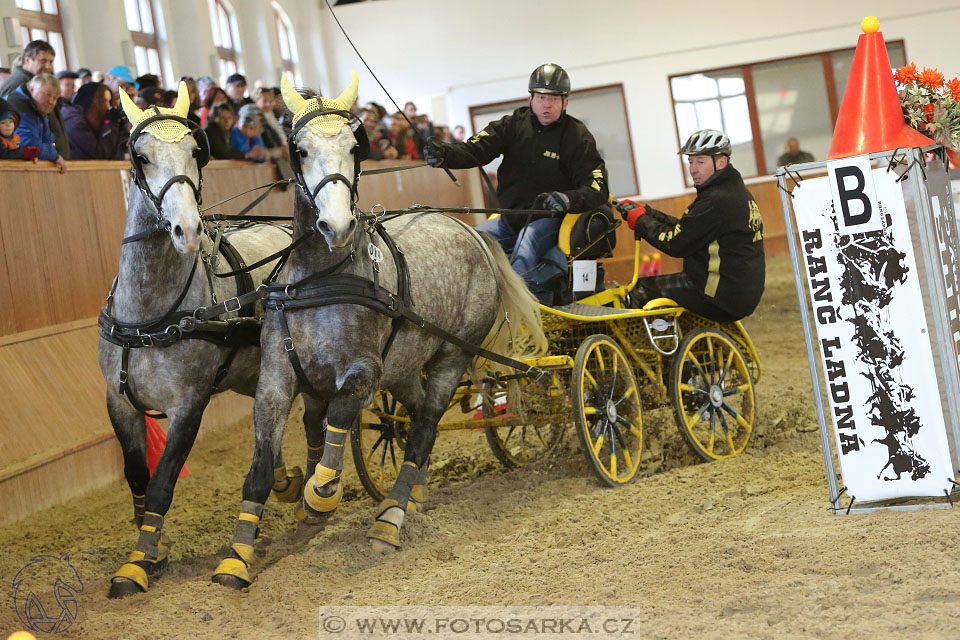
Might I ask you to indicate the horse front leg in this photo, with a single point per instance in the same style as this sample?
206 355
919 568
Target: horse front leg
271 408
131 431
150 556
324 491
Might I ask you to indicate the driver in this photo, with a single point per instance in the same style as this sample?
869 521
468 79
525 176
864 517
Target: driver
550 162
719 237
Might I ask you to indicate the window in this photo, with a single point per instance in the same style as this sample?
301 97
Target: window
762 105
144 36
40 20
223 22
288 44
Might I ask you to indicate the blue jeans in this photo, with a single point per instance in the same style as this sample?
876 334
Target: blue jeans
526 248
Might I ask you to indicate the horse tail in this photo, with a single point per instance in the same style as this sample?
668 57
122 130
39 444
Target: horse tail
517 331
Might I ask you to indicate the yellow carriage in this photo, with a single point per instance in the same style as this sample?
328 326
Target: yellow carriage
607 364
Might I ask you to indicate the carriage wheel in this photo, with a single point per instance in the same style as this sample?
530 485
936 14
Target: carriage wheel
712 394
377 443
533 421
607 410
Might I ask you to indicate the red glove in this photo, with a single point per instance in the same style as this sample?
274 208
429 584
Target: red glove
630 210
29 153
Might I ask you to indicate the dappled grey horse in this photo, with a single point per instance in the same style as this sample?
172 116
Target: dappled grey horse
460 282
167 270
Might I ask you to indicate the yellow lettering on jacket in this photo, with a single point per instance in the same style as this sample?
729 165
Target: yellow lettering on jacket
756 222
551 154
479 135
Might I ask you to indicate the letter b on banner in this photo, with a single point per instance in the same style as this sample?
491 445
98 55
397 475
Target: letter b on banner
854 195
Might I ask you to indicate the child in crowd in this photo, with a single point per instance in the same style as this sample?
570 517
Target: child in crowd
245 136
9 140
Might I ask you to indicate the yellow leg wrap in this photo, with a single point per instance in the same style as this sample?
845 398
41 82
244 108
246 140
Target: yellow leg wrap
132 572
320 503
233 567
385 532
418 495
287 485
323 475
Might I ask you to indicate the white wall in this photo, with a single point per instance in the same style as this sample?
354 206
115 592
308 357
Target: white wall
451 54
475 53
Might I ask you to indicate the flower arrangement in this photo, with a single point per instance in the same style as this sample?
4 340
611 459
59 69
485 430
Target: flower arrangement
931 105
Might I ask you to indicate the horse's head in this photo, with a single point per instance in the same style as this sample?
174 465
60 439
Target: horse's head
322 151
166 166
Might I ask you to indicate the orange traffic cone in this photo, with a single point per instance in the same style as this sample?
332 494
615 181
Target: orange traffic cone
871 116
656 267
156 441
645 267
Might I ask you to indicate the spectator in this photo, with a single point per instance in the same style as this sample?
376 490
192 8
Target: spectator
273 136
401 137
120 79
219 125
147 80
37 58
236 88
213 96
92 137
245 136
410 110
10 148
68 85
97 76
149 97
4 74
194 92
169 98
379 109
380 147
35 101
459 133
793 154
84 75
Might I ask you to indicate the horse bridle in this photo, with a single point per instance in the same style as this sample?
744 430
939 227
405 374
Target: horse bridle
360 151
202 155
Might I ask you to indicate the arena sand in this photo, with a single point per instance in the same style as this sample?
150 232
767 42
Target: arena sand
740 549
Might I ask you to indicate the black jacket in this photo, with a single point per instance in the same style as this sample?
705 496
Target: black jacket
719 237
220 146
561 156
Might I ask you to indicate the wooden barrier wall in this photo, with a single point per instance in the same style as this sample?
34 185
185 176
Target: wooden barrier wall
60 241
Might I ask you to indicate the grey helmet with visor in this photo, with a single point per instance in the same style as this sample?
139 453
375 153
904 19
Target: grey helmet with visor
707 142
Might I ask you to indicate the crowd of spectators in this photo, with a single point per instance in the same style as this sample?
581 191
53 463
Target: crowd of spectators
76 115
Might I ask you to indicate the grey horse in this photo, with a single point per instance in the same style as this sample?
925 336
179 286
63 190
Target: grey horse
460 281
177 379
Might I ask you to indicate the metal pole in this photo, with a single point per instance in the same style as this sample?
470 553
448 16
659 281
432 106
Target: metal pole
812 354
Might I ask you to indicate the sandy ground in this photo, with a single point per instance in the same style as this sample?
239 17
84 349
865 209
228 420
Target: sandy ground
741 548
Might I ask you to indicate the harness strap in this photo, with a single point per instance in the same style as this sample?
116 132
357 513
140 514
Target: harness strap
292 354
125 389
273 256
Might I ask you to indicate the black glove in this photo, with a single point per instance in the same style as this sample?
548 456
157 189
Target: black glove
553 201
434 153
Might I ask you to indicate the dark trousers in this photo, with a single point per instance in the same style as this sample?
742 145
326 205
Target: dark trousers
681 289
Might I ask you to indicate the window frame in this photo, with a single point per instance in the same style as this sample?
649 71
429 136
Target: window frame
284 26
48 22
229 54
746 70
146 40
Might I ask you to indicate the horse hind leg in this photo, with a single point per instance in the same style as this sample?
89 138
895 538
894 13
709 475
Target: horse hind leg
288 483
444 372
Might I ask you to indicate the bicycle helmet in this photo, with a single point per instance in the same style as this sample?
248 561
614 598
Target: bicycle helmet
549 78
707 142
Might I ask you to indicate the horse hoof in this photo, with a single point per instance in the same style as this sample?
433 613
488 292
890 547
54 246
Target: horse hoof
310 518
381 547
292 483
229 581
121 588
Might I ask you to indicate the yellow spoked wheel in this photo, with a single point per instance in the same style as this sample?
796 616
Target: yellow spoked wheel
712 394
607 410
377 443
530 421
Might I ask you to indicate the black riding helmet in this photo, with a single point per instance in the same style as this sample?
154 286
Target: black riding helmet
550 78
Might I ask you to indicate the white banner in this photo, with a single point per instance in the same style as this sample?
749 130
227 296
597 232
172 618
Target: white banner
872 333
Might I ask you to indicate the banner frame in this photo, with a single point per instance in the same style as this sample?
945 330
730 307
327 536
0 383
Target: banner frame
914 159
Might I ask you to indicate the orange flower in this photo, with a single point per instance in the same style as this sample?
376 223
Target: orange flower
954 88
931 78
906 74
